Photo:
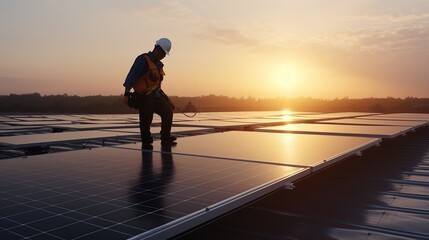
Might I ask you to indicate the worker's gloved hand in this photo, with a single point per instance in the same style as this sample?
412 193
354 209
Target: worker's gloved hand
133 100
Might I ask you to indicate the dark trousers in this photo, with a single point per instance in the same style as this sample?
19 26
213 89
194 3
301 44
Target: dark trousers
149 106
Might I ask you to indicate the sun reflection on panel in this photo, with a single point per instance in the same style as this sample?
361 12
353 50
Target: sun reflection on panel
287 115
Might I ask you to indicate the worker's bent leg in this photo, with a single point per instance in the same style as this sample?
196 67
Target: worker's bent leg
164 110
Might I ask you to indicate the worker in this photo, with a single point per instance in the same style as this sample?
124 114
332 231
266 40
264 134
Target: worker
145 77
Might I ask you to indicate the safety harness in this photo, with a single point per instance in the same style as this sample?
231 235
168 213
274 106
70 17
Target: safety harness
151 80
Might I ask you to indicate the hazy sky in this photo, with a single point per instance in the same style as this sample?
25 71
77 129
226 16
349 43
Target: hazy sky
239 48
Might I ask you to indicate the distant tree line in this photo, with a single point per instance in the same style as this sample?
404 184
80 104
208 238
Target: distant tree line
36 103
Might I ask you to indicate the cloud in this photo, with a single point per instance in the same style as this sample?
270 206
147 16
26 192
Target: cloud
392 33
171 9
226 36
406 39
390 17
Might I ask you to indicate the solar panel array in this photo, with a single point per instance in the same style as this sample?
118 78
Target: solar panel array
85 176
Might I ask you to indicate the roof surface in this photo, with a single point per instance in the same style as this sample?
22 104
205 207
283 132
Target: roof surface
86 177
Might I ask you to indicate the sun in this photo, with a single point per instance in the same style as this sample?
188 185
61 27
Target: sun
286 77
282 78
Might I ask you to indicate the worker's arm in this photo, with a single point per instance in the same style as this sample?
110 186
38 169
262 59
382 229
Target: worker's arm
138 68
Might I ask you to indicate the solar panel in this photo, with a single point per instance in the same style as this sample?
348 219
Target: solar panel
5 119
121 192
35 123
338 129
418 118
157 129
80 127
336 115
287 113
359 121
66 117
9 127
61 137
104 121
264 120
225 115
109 117
288 118
13 131
275 148
213 124
21 115
112 193
34 118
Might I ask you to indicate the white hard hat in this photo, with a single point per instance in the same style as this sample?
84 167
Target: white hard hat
165 44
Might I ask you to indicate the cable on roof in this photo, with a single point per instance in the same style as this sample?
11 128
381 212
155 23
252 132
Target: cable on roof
175 107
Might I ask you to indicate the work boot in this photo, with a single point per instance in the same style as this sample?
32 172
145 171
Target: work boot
169 141
147 146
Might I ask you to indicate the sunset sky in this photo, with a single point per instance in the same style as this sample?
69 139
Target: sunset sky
237 48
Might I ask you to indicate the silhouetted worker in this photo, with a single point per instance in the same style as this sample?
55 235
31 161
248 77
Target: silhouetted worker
145 77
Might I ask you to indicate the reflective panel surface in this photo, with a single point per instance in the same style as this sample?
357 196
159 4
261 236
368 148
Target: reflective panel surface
49 138
360 121
276 148
409 116
36 123
336 115
265 120
104 122
80 127
211 123
112 193
157 129
121 192
339 129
